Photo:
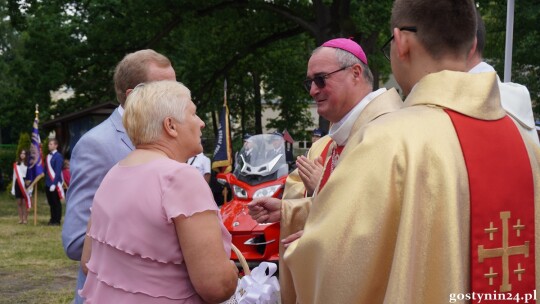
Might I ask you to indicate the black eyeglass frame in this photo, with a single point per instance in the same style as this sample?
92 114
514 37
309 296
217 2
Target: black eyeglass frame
320 80
385 49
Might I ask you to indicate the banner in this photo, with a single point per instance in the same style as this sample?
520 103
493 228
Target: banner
287 137
289 142
223 152
35 163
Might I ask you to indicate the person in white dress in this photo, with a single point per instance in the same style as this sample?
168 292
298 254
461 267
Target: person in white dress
18 187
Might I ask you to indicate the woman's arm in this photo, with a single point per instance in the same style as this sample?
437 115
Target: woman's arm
210 270
87 249
14 180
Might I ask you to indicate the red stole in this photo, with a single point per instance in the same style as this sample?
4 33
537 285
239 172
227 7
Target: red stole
336 152
501 205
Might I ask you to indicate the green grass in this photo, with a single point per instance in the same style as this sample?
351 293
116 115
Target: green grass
33 266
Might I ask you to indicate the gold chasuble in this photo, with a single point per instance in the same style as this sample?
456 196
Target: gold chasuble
393 222
295 211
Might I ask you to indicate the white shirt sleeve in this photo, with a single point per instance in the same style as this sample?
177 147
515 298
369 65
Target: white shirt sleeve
206 165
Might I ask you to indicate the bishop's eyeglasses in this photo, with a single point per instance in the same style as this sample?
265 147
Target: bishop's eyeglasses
320 80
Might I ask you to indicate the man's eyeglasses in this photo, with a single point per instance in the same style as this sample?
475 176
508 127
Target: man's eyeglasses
320 80
386 47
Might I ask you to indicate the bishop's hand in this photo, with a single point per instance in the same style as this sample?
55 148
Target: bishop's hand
265 210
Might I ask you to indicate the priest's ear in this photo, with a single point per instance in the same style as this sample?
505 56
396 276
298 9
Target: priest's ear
402 43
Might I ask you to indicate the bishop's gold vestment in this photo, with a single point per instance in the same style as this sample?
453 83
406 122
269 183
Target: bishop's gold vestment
294 211
295 189
392 223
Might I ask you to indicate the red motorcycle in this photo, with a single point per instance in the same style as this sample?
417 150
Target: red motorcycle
260 171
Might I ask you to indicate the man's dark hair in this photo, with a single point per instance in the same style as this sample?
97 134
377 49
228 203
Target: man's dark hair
480 34
444 27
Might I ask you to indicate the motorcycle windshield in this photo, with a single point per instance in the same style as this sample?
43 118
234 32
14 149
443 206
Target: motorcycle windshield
261 156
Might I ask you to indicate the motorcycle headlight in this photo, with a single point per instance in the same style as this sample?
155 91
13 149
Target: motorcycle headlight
266 192
239 191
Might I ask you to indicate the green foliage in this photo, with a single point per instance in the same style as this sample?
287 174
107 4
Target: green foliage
526 42
8 154
260 47
24 143
253 44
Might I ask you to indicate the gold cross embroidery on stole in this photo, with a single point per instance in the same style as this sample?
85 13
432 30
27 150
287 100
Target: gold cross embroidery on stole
503 252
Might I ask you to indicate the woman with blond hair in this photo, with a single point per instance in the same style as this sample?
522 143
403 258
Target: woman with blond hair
155 234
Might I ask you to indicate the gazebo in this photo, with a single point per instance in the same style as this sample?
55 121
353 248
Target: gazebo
69 128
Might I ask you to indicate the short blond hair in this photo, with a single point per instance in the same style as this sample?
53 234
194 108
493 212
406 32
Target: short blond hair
149 104
133 69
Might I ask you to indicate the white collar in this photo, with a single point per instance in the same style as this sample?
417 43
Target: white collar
120 110
341 130
482 67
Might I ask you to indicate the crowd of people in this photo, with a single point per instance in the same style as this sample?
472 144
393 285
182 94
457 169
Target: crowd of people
57 179
403 201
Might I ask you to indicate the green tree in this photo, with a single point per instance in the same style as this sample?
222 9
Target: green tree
261 47
12 69
24 143
77 43
526 42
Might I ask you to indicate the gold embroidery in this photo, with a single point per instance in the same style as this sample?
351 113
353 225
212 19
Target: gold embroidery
504 252
490 275
335 158
491 230
519 271
518 227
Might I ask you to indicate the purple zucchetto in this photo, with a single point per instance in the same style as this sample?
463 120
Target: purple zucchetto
347 45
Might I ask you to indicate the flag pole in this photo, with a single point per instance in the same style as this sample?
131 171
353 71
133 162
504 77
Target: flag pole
225 190
225 92
35 184
509 41
35 167
35 204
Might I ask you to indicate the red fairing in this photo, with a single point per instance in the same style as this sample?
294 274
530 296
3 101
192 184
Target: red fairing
260 172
